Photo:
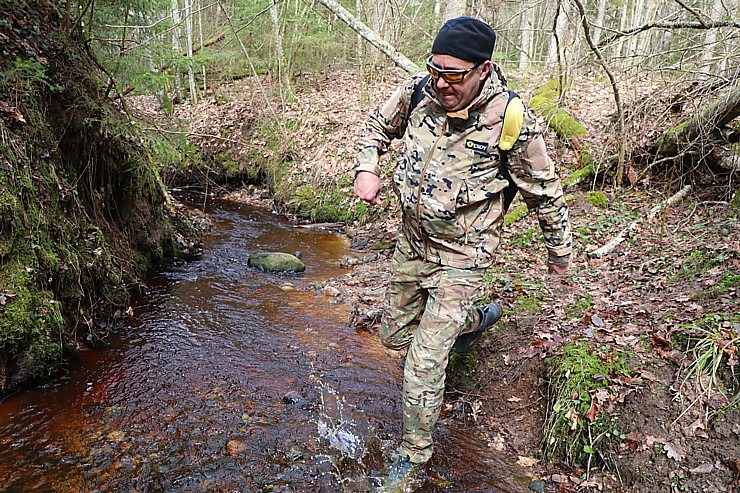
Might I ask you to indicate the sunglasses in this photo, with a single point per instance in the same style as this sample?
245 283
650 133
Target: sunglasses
450 76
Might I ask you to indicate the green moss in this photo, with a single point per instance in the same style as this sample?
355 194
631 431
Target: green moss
525 239
379 245
576 427
597 199
32 328
578 175
519 213
576 309
700 261
528 304
462 370
545 102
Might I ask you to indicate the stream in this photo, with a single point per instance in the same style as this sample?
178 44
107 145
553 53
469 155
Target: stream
228 379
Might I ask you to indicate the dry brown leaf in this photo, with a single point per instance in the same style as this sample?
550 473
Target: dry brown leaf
593 411
235 447
527 461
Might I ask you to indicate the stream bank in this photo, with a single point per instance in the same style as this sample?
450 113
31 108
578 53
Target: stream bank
83 212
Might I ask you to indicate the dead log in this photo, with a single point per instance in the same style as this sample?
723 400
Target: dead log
727 157
210 41
703 128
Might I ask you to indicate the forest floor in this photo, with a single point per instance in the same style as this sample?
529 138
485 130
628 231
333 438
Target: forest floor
672 282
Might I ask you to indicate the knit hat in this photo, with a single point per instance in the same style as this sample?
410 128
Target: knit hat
465 38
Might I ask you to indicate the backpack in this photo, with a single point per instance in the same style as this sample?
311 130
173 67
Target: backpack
510 130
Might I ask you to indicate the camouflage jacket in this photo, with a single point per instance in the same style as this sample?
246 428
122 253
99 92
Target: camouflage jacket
448 180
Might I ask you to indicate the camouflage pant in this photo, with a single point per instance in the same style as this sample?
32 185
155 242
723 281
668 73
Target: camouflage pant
426 307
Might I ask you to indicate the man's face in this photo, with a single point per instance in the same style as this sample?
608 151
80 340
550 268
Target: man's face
457 96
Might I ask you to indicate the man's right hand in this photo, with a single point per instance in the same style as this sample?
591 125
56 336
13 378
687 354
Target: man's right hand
367 187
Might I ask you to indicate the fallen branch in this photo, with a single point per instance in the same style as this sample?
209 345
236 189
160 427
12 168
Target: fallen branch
650 214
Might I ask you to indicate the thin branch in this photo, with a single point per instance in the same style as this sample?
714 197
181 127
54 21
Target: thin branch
631 227
157 22
669 25
693 12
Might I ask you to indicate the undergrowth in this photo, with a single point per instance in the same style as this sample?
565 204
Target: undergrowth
577 429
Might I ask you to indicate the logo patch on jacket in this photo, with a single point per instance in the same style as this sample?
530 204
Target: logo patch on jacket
481 147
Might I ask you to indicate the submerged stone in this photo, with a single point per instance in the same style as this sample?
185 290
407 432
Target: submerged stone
276 262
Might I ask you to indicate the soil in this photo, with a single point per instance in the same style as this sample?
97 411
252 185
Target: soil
642 298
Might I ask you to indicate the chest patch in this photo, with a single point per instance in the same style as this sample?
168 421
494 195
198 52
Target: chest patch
479 147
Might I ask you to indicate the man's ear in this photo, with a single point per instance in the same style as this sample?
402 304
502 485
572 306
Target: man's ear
485 69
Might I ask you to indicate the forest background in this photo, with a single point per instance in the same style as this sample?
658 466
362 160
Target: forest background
640 99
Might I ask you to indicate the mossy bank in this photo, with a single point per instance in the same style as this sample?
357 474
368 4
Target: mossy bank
82 214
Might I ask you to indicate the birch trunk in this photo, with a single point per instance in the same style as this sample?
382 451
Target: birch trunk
176 32
371 36
277 36
455 8
189 47
526 27
601 13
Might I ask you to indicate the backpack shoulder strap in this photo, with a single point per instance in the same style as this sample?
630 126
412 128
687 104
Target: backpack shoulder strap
511 128
417 95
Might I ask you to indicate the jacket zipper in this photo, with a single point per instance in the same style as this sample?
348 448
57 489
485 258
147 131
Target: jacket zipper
421 185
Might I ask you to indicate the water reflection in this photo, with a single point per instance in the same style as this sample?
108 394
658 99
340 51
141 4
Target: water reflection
226 381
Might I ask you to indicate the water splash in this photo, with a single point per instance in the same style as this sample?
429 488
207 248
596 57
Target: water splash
339 427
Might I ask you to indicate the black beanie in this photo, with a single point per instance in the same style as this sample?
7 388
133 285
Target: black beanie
465 38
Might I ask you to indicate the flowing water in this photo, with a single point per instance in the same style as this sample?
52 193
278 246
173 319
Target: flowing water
227 379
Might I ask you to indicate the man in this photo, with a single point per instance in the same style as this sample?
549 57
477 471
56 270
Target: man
450 188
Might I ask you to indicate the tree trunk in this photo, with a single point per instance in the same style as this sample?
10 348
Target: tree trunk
176 46
696 130
189 48
370 35
555 52
599 21
455 8
283 79
525 27
710 38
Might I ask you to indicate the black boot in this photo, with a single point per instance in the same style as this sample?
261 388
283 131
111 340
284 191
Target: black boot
488 315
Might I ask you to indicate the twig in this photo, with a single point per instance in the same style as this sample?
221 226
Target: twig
195 134
651 214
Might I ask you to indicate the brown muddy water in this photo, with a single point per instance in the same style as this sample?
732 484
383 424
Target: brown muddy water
227 379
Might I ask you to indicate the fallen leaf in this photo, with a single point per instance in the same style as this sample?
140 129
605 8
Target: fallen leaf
696 429
572 415
593 411
116 436
235 447
674 451
18 117
597 321
527 461
513 399
702 469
